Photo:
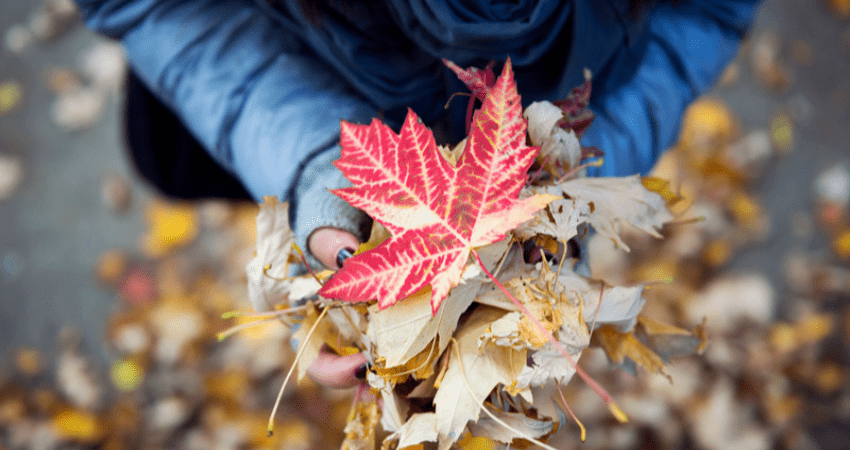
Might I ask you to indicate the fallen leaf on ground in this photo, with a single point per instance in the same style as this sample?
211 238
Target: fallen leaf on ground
170 226
11 93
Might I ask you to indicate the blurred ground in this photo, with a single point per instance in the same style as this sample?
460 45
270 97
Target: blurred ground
54 225
78 198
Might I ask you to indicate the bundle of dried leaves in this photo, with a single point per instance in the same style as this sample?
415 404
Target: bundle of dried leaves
463 335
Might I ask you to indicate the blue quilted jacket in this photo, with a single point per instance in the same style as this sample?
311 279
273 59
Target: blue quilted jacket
263 84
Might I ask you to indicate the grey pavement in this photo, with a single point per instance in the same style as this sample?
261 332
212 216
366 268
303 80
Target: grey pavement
54 227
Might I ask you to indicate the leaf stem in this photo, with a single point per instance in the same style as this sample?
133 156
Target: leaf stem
564 400
262 315
470 108
605 396
451 97
304 260
292 369
539 170
595 163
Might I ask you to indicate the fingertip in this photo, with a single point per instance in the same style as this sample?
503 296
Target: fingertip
337 371
327 245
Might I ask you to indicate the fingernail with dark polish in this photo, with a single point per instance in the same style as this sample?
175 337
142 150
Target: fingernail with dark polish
360 372
344 253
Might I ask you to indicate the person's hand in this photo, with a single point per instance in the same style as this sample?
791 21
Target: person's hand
331 246
336 371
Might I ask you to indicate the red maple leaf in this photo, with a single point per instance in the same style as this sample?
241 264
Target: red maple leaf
478 81
436 212
577 115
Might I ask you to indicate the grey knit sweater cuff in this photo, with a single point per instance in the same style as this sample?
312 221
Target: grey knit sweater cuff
316 207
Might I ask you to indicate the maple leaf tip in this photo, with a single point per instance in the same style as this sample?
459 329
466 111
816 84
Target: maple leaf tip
435 307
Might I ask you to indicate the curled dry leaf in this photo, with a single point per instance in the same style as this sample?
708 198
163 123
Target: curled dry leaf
470 379
360 430
267 285
420 427
558 147
560 219
478 81
619 346
529 427
577 115
402 332
615 201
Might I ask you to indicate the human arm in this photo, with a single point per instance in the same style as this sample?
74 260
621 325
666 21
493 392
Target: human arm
647 85
248 89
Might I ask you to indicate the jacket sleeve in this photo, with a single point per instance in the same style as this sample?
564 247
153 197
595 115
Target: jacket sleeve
650 82
248 89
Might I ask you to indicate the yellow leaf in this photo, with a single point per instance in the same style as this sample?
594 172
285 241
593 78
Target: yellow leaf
707 123
377 237
539 300
420 366
783 338
840 8
260 330
29 361
814 328
656 270
782 132
110 265
360 430
10 95
746 210
717 252
80 426
661 187
470 442
127 374
297 434
618 346
229 386
829 378
841 244
170 226
653 327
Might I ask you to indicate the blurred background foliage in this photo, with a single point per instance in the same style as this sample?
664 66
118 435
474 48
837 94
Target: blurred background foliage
111 296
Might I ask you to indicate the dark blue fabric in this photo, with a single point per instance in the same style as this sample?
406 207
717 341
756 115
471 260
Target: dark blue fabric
262 85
